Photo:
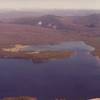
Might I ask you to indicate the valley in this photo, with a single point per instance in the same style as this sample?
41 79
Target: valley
52 54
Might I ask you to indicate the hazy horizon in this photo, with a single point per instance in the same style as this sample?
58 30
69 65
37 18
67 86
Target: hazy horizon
49 4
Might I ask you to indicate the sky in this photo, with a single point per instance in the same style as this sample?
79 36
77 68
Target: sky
49 4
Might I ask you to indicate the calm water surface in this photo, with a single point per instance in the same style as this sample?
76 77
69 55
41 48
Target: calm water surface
76 78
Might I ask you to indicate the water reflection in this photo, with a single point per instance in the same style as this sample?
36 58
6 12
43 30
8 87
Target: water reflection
37 61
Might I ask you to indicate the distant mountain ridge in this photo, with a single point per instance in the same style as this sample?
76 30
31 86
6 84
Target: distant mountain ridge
46 21
88 24
48 28
66 23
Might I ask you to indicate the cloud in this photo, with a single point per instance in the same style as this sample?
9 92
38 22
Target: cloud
50 4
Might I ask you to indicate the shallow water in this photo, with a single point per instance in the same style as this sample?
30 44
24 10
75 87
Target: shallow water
72 45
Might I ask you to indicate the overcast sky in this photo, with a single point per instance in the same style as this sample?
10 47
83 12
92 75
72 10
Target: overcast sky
50 4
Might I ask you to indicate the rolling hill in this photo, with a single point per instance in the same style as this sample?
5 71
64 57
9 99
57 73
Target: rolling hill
48 28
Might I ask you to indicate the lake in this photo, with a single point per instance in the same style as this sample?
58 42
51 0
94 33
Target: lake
75 78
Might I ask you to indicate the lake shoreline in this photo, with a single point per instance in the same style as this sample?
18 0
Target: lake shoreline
43 55
46 52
